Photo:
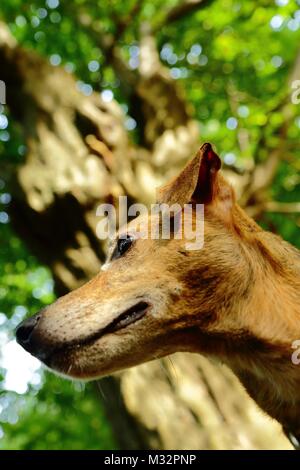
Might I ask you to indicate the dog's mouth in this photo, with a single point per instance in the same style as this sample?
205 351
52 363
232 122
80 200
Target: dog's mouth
131 315
128 317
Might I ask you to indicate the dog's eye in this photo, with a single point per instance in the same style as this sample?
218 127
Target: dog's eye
123 244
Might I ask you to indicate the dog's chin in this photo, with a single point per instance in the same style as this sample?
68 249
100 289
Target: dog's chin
86 361
64 364
86 364
76 365
103 358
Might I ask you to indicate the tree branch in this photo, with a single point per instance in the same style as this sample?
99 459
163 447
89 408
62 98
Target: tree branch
123 23
263 174
108 45
182 9
283 207
257 210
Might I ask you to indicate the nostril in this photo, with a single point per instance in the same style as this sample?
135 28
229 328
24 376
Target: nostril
23 333
25 329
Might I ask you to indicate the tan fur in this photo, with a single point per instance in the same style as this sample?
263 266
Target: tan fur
237 300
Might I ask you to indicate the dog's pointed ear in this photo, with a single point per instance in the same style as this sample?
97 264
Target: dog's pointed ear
198 182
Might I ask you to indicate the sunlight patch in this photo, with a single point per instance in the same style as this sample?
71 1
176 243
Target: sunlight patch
21 368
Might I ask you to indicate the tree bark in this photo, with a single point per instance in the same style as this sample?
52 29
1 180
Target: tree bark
78 156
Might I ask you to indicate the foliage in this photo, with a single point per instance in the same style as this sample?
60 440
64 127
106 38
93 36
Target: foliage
61 415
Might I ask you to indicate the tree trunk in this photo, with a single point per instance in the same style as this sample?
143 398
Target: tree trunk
78 156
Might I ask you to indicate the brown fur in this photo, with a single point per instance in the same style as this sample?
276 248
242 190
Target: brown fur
237 300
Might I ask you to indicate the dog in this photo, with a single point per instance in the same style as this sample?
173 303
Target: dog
237 299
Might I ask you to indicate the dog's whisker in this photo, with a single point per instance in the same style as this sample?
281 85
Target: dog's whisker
101 391
173 368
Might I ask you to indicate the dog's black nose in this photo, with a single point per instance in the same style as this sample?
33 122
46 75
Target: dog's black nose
29 337
24 331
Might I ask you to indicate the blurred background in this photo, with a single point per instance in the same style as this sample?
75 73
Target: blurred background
105 98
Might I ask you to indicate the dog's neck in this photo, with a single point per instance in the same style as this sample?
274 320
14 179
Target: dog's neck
266 325
274 310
